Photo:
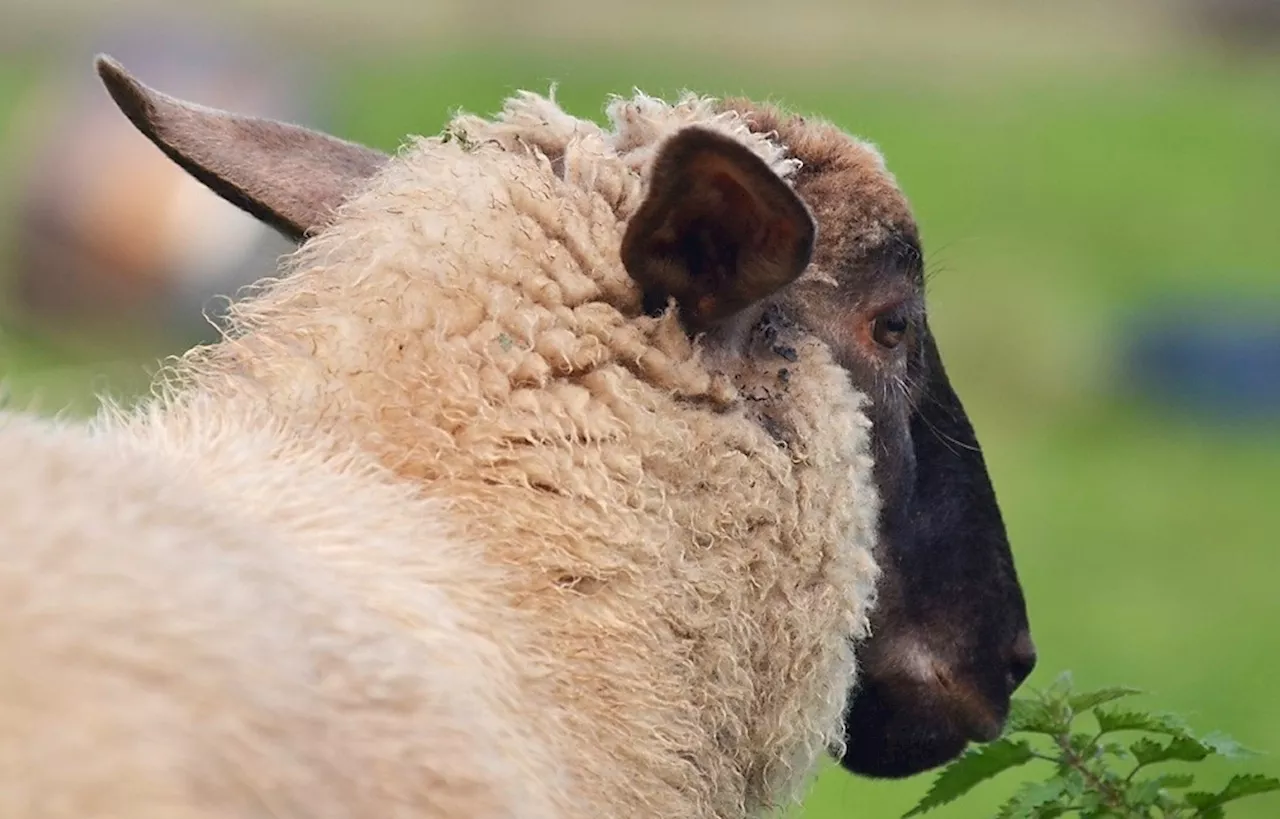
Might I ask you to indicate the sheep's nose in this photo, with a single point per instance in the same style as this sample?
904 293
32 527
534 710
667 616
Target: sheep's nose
1022 659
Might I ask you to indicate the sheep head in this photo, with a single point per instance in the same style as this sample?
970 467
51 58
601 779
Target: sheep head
951 640
755 262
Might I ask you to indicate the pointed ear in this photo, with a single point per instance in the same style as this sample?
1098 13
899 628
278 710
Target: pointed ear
718 230
287 176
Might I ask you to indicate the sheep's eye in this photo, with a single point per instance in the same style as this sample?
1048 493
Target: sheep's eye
888 329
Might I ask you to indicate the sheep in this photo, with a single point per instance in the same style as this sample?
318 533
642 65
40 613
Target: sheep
609 400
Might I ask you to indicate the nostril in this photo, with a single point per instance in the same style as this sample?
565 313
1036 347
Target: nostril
1022 659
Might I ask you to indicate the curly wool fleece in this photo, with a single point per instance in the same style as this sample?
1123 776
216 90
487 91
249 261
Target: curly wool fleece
694 579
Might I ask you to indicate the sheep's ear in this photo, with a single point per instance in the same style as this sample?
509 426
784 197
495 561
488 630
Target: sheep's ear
718 229
287 176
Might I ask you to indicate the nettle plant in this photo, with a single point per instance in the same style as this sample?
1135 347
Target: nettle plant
1095 773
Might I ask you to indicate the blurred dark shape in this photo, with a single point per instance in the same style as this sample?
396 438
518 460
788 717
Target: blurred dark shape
111 234
1215 360
1251 25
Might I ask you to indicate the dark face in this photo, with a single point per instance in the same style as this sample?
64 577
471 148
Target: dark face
950 636
952 641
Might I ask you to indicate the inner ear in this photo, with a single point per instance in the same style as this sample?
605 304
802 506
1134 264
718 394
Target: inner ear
718 230
290 177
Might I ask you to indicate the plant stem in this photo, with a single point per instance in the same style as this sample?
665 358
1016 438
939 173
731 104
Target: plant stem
1111 797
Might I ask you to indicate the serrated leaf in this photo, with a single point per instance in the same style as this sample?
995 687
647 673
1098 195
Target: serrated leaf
1197 799
1116 749
1225 746
1148 791
1146 751
1092 699
1028 799
1082 744
974 766
1110 719
1238 787
1061 684
1186 749
1035 716
1142 793
1181 749
1209 810
1184 780
1057 693
1074 785
1090 801
1242 785
1005 811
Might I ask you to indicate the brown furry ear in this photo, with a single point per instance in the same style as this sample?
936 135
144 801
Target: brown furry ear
287 176
719 230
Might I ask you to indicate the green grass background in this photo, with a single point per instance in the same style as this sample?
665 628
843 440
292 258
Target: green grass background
1052 206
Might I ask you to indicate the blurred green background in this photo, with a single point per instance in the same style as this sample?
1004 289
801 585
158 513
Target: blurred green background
1070 165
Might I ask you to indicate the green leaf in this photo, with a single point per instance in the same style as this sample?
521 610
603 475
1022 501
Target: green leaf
1146 751
1142 794
1118 720
1028 799
1060 686
1223 745
974 766
1092 699
1147 792
1186 749
1074 784
1239 786
1183 780
1242 785
1056 696
1182 749
1006 810
1083 744
1167 781
1090 801
1207 810
1116 749
1035 716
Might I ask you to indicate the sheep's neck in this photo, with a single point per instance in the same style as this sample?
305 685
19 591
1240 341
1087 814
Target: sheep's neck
692 583
685 578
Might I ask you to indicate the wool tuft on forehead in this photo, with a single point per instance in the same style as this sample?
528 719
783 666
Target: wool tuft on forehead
582 151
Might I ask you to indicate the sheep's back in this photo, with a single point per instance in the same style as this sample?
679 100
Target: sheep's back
163 655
